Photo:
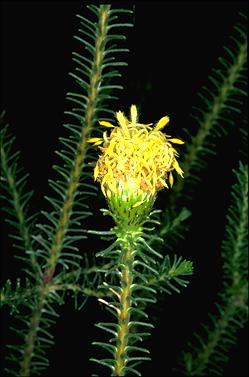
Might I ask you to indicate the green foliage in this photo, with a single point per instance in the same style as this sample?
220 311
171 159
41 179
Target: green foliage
13 296
52 245
222 100
235 244
214 342
171 275
150 273
13 184
244 140
174 226
138 266
49 245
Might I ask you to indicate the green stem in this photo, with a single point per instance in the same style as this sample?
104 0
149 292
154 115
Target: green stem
235 291
126 280
33 329
240 235
212 116
17 205
223 323
73 182
82 146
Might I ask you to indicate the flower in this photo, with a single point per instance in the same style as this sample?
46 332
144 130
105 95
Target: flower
135 158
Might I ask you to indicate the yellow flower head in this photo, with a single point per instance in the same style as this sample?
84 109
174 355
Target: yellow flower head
135 157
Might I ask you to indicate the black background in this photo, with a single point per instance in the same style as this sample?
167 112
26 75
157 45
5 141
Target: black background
173 47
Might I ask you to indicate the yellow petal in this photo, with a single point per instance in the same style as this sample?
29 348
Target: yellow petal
176 141
163 182
98 143
122 121
171 179
105 137
106 124
94 140
178 169
108 193
96 172
174 151
133 114
109 149
162 123
137 204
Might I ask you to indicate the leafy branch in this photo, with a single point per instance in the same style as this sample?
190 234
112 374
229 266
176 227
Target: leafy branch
222 98
54 251
232 311
13 183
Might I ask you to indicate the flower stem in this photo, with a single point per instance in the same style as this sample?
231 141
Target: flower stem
31 336
126 280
